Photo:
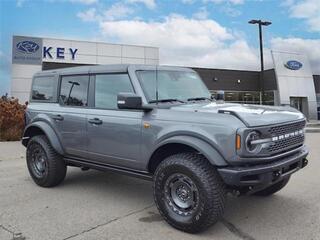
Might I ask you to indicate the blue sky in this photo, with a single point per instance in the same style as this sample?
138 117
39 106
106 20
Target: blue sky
205 33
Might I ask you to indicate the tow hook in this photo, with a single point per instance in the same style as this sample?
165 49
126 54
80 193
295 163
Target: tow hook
276 174
305 162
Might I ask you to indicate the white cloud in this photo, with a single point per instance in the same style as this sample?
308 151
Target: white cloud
309 10
305 9
235 2
151 4
115 12
87 2
188 1
20 3
88 16
196 41
227 6
201 14
231 11
308 46
287 3
187 42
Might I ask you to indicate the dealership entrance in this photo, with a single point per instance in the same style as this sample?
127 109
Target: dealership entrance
295 82
300 103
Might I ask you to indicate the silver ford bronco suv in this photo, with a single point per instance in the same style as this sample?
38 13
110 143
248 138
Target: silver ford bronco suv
160 123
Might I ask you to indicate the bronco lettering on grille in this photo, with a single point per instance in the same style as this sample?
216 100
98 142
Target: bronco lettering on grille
288 135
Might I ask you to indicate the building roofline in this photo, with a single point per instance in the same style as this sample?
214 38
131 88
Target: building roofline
231 70
87 41
281 51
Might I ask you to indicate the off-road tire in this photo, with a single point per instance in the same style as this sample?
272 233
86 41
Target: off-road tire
273 188
211 192
53 169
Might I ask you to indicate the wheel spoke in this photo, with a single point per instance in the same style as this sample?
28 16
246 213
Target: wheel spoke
38 161
181 194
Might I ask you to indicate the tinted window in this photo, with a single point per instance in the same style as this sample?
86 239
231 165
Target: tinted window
44 88
74 90
107 88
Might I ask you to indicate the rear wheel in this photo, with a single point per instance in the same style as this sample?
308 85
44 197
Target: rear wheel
45 165
189 192
273 188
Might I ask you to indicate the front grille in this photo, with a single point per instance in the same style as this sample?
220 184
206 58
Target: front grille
283 129
285 144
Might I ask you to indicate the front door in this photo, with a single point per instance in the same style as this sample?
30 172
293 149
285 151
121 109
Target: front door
114 135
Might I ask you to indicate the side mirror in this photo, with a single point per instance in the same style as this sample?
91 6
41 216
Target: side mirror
220 96
131 101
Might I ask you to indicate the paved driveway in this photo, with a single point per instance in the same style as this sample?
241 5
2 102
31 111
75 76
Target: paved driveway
96 205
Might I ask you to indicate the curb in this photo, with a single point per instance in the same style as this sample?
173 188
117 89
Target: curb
312 130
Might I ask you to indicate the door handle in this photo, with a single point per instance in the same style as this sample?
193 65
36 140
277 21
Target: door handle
57 117
96 121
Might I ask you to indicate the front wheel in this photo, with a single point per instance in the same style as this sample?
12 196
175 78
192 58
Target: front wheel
188 192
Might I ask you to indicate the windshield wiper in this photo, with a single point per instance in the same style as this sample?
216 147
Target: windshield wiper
199 99
166 100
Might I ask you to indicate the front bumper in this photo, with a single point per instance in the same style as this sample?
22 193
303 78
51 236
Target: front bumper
264 174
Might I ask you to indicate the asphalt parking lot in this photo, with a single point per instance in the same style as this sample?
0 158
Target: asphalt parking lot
97 205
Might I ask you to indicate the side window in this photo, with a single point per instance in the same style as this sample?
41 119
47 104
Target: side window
44 89
107 88
74 90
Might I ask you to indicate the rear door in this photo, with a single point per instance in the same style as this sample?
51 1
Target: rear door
71 120
114 135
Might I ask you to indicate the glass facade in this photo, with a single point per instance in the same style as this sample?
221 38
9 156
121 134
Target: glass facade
318 105
247 97
269 97
318 99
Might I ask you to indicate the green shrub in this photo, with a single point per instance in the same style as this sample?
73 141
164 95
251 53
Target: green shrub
11 119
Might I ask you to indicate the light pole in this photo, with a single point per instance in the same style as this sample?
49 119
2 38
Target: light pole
72 85
261 23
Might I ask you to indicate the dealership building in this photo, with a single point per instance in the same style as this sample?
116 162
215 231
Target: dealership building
290 82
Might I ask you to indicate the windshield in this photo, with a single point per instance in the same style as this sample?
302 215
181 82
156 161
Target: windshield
177 85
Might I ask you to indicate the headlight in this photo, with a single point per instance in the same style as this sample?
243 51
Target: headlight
252 143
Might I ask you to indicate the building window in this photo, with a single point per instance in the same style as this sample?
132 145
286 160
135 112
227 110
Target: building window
44 89
247 97
318 99
269 97
107 88
74 90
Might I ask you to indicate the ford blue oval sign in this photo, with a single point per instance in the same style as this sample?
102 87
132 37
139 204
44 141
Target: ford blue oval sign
27 47
293 65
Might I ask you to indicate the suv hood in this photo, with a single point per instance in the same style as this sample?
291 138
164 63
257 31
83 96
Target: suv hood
250 115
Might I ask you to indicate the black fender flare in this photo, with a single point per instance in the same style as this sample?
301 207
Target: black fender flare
203 147
47 130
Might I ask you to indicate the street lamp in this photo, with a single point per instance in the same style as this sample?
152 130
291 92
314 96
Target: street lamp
261 23
72 85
